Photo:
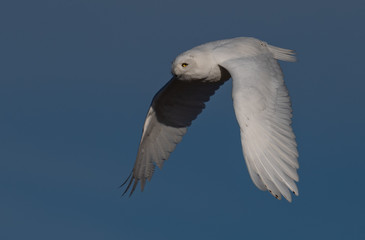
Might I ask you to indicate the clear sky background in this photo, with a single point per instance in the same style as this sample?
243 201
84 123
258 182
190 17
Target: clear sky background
77 78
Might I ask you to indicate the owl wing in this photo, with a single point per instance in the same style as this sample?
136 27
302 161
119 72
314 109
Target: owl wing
263 111
172 111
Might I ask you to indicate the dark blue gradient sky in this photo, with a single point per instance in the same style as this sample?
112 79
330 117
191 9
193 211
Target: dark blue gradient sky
76 80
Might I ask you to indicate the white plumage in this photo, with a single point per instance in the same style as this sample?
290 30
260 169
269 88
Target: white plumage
261 103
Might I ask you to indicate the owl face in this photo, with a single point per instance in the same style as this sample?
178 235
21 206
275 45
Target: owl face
194 66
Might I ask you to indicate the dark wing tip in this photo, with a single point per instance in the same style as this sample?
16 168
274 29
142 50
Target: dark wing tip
131 180
125 181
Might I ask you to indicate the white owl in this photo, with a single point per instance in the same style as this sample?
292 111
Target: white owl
261 103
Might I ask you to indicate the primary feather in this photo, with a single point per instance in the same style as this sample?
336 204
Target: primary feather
261 103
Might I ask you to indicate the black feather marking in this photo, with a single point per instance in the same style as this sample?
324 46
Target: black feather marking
134 187
126 180
129 185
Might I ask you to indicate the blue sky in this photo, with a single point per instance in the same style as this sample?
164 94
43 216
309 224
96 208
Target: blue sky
76 81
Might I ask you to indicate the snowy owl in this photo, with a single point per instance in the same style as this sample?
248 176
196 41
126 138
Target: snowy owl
261 104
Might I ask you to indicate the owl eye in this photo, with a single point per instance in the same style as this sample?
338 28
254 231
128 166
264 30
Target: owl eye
184 65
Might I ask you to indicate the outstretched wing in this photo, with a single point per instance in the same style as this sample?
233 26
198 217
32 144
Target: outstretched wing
263 110
172 110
